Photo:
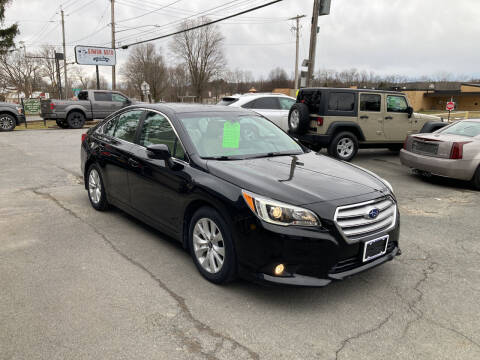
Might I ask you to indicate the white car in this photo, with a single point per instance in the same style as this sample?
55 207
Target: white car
275 107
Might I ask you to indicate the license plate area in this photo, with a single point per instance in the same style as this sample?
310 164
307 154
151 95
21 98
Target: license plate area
375 248
422 147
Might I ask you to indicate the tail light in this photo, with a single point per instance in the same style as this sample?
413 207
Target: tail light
457 150
84 137
320 121
405 143
52 106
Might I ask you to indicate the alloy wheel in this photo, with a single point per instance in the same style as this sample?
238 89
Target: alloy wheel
345 147
94 186
208 245
6 123
76 120
294 119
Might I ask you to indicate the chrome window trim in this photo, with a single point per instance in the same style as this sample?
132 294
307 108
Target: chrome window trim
358 239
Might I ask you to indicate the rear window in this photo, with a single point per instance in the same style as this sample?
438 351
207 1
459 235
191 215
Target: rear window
103 96
341 101
464 128
370 102
227 101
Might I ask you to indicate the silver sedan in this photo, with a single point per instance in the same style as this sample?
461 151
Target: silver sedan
453 151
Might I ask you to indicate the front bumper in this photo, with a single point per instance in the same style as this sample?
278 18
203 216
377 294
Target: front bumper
21 119
456 169
311 257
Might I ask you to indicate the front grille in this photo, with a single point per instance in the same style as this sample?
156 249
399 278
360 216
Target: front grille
355 261
357 221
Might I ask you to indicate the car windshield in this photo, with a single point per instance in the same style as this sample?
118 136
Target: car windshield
465 128
228 136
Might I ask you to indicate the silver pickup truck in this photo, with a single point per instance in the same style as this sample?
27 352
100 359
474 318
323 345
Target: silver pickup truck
91 104
11 115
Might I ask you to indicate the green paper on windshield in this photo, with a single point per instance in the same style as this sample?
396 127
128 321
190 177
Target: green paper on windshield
231 135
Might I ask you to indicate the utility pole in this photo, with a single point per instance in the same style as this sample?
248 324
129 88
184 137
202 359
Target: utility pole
64 55
297 30
313 42
114 85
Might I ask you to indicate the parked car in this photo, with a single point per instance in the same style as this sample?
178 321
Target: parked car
11 115
453 151
342 120
264 208
91 104
275 107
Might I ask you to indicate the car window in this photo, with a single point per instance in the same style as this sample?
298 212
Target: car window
126 125
83 95
118 97
109 127
266 103
157 130
228 101
464 128
102 96
249 105
216 135
396 103
341 101
286 103
370 102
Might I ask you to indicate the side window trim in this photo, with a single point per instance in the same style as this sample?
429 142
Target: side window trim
139 129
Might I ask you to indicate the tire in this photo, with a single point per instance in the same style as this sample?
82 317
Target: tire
7 122
344 146
431 126
96 189
76 120
476 179
207 252
299 119
62 124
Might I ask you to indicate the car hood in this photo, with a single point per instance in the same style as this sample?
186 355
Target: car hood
297 180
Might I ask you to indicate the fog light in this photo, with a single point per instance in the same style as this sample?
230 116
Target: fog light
279 269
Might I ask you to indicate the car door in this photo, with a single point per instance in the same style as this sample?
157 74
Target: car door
156 188
285 106
397 123
102 107
371 116
268 107
116 143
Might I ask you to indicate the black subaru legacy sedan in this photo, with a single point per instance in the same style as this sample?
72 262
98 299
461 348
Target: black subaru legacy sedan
242 196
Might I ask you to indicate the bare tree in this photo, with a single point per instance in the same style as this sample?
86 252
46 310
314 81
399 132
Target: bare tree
201 52
80 78
146 64
19 71
279 79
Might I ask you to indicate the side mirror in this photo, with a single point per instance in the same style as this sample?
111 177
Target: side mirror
160 152
410 111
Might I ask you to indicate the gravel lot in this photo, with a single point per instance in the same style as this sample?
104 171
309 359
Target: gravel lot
79 284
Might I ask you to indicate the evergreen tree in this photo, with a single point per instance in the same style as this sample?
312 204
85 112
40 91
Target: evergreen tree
6 34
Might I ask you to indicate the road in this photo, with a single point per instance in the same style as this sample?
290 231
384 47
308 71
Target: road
79 284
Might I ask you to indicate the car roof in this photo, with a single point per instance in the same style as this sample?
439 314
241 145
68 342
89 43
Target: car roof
350 90
180 108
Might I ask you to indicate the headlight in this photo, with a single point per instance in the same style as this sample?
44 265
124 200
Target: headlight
278 213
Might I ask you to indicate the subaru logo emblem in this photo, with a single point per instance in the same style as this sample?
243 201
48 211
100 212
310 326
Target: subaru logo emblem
372 214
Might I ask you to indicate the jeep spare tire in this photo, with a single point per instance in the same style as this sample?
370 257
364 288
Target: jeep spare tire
299 119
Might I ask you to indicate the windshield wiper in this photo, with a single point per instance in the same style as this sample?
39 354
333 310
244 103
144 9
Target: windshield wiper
221 158
273 154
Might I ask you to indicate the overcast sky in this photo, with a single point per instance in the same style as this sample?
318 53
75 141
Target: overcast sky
405 37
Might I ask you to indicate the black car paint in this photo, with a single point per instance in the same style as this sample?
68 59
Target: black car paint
166 197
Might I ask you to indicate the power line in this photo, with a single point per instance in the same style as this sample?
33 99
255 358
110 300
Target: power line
172 24
149 12
205 24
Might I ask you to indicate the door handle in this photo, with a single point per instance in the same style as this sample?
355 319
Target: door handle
133 163
388 117
364 117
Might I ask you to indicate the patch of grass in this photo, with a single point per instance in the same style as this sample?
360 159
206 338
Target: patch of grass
50 125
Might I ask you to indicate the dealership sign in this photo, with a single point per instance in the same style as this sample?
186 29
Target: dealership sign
92 55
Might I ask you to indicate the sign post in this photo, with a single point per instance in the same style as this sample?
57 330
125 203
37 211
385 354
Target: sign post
93 55
450 107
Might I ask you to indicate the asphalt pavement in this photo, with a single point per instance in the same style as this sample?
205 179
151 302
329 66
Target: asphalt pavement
79 284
